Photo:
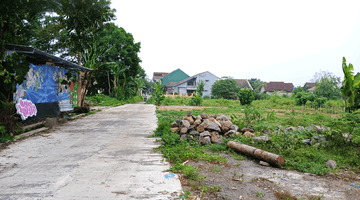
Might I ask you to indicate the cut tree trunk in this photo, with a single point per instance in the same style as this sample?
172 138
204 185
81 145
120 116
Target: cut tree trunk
257 153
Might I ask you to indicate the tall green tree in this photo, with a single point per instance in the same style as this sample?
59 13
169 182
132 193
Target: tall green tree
125 71
18 20
125 51
328 87
72 26
225 87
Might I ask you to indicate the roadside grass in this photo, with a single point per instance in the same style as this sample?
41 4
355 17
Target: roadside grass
105 100
180 101
4 136
275 102
297 154
20 130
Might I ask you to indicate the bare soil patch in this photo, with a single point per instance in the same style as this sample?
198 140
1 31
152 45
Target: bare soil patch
248 180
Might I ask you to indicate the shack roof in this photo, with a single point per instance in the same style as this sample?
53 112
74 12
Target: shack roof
272 86
243 83
41 57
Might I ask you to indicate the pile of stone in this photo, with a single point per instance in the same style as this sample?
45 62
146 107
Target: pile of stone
208 128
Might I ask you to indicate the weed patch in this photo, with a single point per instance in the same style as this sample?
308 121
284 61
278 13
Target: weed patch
104 100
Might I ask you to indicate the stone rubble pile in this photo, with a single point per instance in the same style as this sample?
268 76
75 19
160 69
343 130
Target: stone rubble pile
209 128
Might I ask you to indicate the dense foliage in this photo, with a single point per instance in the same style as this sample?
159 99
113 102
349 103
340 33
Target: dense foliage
77 31
246 96
257 84
224 88
327 87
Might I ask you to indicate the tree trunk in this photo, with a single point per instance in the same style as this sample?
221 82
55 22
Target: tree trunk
79 83
257 153
109 83
86 85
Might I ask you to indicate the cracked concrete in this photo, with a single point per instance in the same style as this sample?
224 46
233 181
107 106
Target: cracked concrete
102 156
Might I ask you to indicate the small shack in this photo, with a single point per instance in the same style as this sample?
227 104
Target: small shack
42 86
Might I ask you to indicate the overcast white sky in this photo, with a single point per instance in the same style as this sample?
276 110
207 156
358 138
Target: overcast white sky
271 40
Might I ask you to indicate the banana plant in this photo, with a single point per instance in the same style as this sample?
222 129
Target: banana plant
351 87
91 60
117 70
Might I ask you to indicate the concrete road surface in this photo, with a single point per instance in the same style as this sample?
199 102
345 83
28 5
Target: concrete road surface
102 156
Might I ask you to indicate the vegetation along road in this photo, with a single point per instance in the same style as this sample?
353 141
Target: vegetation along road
103 156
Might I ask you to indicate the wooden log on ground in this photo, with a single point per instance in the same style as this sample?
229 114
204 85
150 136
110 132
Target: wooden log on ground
257 153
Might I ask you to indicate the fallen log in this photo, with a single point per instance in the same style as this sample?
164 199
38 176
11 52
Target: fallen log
257 153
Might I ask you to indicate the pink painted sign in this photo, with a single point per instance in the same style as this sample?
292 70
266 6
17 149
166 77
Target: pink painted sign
25 108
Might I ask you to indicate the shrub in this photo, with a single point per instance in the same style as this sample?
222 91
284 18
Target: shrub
224 88
196 100
264 96
320 101
4 137
158 93
246 96
303 97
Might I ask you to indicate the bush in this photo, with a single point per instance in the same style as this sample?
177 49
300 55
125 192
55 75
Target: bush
4 137
206 97
264 96
158 93
303 97
224 88
335 103
104 100
196 100
246 96
320 101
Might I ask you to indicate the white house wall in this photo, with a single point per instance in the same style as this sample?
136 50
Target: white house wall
180 88
209 79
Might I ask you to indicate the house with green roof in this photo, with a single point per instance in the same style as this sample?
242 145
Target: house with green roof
175 76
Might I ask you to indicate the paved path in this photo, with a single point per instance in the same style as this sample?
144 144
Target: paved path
102 156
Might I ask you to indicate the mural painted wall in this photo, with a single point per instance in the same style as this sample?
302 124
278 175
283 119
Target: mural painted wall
42 85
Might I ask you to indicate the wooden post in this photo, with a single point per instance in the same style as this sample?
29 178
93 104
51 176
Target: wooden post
257 153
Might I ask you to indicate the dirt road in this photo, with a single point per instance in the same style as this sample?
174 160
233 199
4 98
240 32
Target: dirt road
102 156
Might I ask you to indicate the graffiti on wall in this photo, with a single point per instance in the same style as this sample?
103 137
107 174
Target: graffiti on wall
43 85
25 108
73 93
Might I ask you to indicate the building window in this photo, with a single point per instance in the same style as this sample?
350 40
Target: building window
206 80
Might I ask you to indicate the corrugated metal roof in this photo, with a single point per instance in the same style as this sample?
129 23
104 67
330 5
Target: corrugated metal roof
41 56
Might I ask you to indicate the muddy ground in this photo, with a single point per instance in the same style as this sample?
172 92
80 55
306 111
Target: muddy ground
247 179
